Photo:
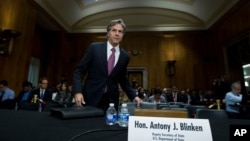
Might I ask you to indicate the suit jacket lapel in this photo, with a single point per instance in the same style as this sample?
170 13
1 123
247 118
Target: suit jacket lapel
103 50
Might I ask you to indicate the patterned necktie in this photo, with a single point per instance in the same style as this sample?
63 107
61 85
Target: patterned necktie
111 61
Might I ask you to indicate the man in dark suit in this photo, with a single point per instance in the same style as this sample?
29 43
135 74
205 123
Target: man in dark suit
174 96
101 86
42 92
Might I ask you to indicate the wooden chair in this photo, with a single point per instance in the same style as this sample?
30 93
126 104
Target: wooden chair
161 113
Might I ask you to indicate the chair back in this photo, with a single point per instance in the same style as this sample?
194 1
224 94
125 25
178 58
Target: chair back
174 106
162 106
175 103
148 105
184 105
192 110
211 114
131 107
181 109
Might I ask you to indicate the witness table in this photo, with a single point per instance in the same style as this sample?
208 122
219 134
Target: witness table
40 126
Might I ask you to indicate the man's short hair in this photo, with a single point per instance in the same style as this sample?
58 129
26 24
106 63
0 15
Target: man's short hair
41 79
27 83
4 83
114 22
157 90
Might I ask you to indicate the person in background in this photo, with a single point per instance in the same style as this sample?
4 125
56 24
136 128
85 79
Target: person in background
7 95
106 64
165 92
135 86
63 95
174 96
123 98
24 94
209 97
157 96
198 97
232 99
43 92
142 95
221 86
184 96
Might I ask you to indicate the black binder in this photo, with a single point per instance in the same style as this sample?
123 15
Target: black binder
76 112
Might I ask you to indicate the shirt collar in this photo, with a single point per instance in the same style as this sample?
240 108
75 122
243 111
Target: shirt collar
109 47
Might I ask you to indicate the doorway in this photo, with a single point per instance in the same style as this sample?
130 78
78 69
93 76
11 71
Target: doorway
138 74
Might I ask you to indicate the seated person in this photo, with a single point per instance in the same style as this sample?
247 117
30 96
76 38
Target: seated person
25 92
198 97
174 96
63 95
43 92
157 96
123 98
233 97
7 95
209 97
142 95
183 97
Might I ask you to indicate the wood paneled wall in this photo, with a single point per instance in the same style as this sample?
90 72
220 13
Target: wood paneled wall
234 25
21 16
187 48
198 54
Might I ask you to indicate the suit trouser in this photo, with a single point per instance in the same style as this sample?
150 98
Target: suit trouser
104 102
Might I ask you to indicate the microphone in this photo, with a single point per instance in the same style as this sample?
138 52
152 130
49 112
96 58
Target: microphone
211 106
217 103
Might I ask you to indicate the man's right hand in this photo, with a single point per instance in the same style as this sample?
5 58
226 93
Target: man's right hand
79 99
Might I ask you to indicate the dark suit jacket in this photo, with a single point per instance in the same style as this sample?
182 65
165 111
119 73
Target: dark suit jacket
95 63
47 94
170 98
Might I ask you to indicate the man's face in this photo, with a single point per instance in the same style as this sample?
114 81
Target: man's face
26 88
174 90
157 96
236 89
2 87
44 84
115 34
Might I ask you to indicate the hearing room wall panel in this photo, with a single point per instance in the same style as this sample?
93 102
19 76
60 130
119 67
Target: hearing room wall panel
17 15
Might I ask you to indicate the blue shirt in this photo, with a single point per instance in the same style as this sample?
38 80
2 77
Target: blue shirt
8 94
231 99
26 95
